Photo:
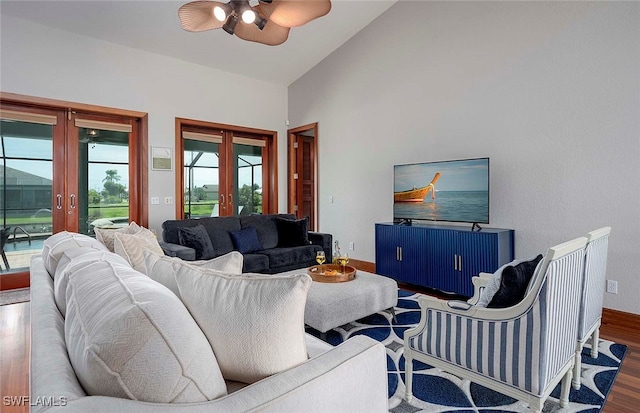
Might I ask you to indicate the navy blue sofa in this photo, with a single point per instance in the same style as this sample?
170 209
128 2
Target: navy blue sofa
270 260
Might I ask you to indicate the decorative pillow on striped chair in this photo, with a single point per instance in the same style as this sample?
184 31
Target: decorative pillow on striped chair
494 283
514 283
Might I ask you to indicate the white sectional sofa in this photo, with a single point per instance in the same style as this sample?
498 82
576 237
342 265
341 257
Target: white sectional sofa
351 377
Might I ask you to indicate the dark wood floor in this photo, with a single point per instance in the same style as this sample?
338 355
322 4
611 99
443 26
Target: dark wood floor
620 327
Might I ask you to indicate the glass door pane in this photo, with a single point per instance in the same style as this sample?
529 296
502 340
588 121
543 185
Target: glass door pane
248 178
26 187
202 179
103 179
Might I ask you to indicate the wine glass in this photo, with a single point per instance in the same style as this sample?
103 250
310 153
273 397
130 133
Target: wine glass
320 258
344 259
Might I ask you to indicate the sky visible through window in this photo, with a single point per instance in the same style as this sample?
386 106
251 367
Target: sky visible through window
40 154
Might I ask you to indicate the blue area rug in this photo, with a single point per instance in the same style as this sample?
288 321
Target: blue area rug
437 391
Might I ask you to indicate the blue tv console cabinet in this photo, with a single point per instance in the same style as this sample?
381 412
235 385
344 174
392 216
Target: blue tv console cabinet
444 257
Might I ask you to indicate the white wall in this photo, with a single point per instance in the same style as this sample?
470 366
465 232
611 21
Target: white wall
40 61
550 91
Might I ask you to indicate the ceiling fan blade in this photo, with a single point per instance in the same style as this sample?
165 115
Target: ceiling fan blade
272 34
197 16
292 13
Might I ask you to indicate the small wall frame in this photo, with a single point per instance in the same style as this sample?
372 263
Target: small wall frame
161 158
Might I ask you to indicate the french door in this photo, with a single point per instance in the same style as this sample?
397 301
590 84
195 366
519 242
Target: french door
63 169
98 168
224 170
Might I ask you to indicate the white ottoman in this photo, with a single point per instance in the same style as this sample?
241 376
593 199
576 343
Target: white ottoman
330 305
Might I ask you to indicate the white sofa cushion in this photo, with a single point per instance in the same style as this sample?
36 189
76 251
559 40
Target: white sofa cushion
229 264
128 336
255 324
71 261
54 246
131 247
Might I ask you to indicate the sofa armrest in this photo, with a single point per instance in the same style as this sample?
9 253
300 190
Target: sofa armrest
324 240
180 251
351 377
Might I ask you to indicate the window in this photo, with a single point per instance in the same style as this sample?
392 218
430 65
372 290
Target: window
225 170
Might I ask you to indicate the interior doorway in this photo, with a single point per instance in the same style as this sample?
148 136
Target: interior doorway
302 186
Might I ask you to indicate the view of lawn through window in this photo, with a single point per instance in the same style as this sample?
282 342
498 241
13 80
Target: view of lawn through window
202 179
104 177
26 183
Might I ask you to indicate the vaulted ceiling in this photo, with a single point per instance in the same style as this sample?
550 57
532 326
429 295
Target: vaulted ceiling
154 26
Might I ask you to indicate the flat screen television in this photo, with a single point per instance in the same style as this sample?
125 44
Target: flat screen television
451 191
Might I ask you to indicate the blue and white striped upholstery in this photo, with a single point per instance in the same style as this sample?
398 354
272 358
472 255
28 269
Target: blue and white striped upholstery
524 350
592 295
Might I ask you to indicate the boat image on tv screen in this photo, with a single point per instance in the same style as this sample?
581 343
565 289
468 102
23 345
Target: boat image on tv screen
454 191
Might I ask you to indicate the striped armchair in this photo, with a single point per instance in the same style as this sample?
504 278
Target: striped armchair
592 296
522 351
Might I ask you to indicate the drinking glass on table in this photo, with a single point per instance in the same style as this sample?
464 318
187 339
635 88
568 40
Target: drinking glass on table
343 259
320 258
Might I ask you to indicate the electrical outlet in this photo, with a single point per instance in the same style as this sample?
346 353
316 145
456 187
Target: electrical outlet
612 287
352 246
168 200
331 199
155 200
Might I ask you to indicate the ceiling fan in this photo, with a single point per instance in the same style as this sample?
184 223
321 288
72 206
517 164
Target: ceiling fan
91 137
266 22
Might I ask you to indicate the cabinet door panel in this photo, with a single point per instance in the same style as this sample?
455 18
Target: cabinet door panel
478 252
387 244
441 260
415 250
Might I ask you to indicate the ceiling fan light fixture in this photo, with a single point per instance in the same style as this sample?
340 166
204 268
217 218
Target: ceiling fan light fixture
230 25
221 12
248 16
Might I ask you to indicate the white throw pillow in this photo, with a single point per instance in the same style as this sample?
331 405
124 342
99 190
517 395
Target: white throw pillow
106 235
73 260
131 247
254 324
128 336
228 264
54 246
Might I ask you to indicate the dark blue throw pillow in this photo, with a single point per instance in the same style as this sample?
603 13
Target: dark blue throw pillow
514 283
292 232
246 240
198 239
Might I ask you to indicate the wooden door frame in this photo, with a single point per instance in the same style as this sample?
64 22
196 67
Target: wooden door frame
291 167
138 188
269 198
